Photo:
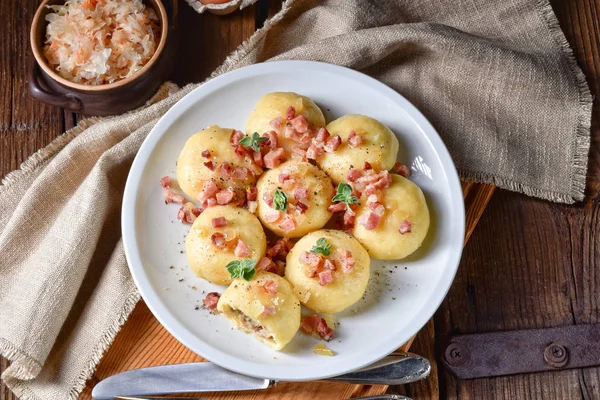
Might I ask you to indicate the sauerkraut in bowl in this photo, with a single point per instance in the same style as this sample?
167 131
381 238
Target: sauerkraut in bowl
99 42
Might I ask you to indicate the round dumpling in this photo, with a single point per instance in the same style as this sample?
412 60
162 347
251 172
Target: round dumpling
265 307
303 189
222 234
403 226
371 141
276 105
209 156
333 276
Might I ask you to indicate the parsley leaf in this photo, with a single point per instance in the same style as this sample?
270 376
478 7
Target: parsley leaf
321 247
344 194
241 269
253 141
280 200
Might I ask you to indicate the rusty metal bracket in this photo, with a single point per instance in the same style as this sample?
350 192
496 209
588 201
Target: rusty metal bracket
516 352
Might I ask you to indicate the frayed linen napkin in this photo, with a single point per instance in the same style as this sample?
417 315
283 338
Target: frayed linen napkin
496 78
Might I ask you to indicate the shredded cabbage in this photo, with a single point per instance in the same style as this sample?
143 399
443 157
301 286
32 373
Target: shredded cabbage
95 42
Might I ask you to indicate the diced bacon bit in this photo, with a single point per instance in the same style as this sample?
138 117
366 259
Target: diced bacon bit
257 157
172 197
252 206
225 169
225 196
272 138
353 175
289 184
254 168
367 166
235 138
284 176
273 216
312 259
346 260
328 264
373 198
369 221
165 182
273 158
277 123
206 153
287 224
316 325
322 135
337 207
377 208
210 165
241 249
325 277
280 249
384 180
299 152
299 123
301 207
332 144
267 310
313 152
265 264
349 218
209 189
271 286
240 173
354 139
405 227
401 169
240 150
219 222
208 203
211 300
300 193
290 113
188 213
279 268
251 193
268 198
218 240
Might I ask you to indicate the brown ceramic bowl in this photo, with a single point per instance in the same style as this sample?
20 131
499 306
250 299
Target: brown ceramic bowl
114 98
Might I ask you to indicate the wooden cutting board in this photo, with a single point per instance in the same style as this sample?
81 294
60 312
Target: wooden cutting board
143 342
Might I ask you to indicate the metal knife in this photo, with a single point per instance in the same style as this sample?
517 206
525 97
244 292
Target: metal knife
396 369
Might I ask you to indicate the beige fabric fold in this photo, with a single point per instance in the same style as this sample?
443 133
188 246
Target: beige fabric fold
496 78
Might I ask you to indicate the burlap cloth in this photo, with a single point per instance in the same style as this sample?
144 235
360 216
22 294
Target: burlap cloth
496 78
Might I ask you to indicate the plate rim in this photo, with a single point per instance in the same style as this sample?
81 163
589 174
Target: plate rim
152 300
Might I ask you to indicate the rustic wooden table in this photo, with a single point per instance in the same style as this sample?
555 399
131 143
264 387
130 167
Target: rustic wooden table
529 263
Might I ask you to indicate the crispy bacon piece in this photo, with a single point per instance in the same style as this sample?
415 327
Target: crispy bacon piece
267 310
273 158
332 144
337 207
300 193
280 249
240 173
211 300
225 169
268 198
287 224
279 268
235 138
345 259
301 207
353 175
367 166
265 264
206 153
290 113
369 221
208 203
325 277
328 264
313 152
384 180
401 169
405 227
289 184
349 218
219 222
251 193
314 263
210 165
172 197
277 123
377 208
241 249
316 325
272 138
298 152
254 168
299 123
284 176
257 157
188 213
273 216
322 135
165 182
218 240
354 139
225 196
240 150
271 286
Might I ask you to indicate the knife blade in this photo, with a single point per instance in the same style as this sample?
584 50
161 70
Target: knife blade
207 377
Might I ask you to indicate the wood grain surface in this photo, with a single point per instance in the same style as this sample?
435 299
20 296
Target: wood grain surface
529 264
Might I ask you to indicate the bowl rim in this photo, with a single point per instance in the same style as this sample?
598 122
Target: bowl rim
43 63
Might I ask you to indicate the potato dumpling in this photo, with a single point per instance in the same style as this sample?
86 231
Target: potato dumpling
405 211
202 159
214 241
265 307
379 146
308 191
274 105
328 283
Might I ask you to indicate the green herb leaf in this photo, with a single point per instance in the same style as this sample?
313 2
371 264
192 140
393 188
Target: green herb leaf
253 141
241 269
321 247
280 200
344 194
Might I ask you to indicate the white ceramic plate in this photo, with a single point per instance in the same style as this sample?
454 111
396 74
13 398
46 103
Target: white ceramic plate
402 295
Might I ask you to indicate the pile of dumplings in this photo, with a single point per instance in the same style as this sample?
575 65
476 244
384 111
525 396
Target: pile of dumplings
321 195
